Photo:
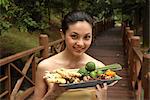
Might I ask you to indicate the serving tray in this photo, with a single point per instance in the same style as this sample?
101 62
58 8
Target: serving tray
90 83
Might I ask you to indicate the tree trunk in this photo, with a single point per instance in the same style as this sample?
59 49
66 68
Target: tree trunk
146 30
49 10
137 21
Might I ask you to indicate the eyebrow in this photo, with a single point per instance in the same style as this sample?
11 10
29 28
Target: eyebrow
88 33
77 33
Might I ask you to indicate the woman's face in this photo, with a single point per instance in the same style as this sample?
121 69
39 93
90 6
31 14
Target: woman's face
78 37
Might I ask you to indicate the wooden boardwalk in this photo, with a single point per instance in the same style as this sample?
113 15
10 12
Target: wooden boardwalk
108 48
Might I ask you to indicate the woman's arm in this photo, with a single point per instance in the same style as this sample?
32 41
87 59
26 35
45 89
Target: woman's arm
40 86
43 90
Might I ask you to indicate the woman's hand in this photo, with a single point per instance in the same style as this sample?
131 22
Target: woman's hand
101 92
54 90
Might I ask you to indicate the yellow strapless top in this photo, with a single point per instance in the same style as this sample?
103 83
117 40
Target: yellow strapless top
79 94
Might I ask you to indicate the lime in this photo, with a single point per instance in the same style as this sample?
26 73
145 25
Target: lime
99 72
93 74
83 71
90 66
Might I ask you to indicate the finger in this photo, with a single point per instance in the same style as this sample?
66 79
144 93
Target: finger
105 86
113 83
101 94
98 87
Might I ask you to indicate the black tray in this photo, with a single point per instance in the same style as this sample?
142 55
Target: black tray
90 83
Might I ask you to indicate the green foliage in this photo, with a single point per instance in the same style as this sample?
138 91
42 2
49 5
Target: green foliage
4 25
15 41
4 3
36 14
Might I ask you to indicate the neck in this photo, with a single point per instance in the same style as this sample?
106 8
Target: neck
73 61
69 56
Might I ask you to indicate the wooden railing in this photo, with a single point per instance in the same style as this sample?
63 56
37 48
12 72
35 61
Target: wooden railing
32 57
103 25
138 63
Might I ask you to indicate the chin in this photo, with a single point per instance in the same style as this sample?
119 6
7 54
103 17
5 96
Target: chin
78 54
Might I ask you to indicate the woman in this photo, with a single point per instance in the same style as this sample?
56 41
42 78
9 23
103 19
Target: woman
77 32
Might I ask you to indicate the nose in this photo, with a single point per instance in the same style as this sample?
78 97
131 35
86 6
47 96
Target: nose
80 42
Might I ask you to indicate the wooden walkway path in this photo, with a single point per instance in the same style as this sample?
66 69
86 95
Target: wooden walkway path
108 48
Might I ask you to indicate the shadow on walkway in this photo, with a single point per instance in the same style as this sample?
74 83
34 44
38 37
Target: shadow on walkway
108 48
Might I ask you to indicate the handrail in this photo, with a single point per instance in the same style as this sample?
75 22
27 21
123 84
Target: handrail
56 42
19 55
138 63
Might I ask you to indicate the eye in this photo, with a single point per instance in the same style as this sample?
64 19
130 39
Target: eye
74 36
87 37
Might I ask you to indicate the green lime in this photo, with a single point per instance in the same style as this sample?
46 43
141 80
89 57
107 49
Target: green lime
93 74
90 66
83 71
99 72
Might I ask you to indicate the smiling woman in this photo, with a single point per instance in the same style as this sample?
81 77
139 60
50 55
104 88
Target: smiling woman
78 37
77 32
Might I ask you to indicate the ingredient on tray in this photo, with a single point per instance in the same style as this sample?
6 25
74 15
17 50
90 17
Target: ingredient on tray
110 73
93 74
89 70
84 74
113 67
83 71
62 76
99 72
53 77
90 66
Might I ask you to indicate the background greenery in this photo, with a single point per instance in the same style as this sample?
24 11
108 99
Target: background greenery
21 21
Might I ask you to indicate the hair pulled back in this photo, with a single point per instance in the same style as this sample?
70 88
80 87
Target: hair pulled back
73 17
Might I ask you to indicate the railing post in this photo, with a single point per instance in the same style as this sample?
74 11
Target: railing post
130 33
146 76
135 41
43 39
125 39
133 60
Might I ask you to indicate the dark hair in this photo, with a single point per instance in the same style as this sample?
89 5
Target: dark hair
73 17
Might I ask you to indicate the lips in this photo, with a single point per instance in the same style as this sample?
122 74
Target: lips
78 49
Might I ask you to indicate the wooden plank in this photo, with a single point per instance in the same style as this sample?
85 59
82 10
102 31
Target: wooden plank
16 88
34 65
27 65
3 78
3 94
22 73
19 55
19 82
139 53
25 94
44 42
138 66
58 47
146 76
6 83
55 42
9 79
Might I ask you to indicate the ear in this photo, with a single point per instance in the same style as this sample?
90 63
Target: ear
62 34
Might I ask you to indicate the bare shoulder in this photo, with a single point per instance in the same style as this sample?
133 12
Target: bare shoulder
49 63
97 62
